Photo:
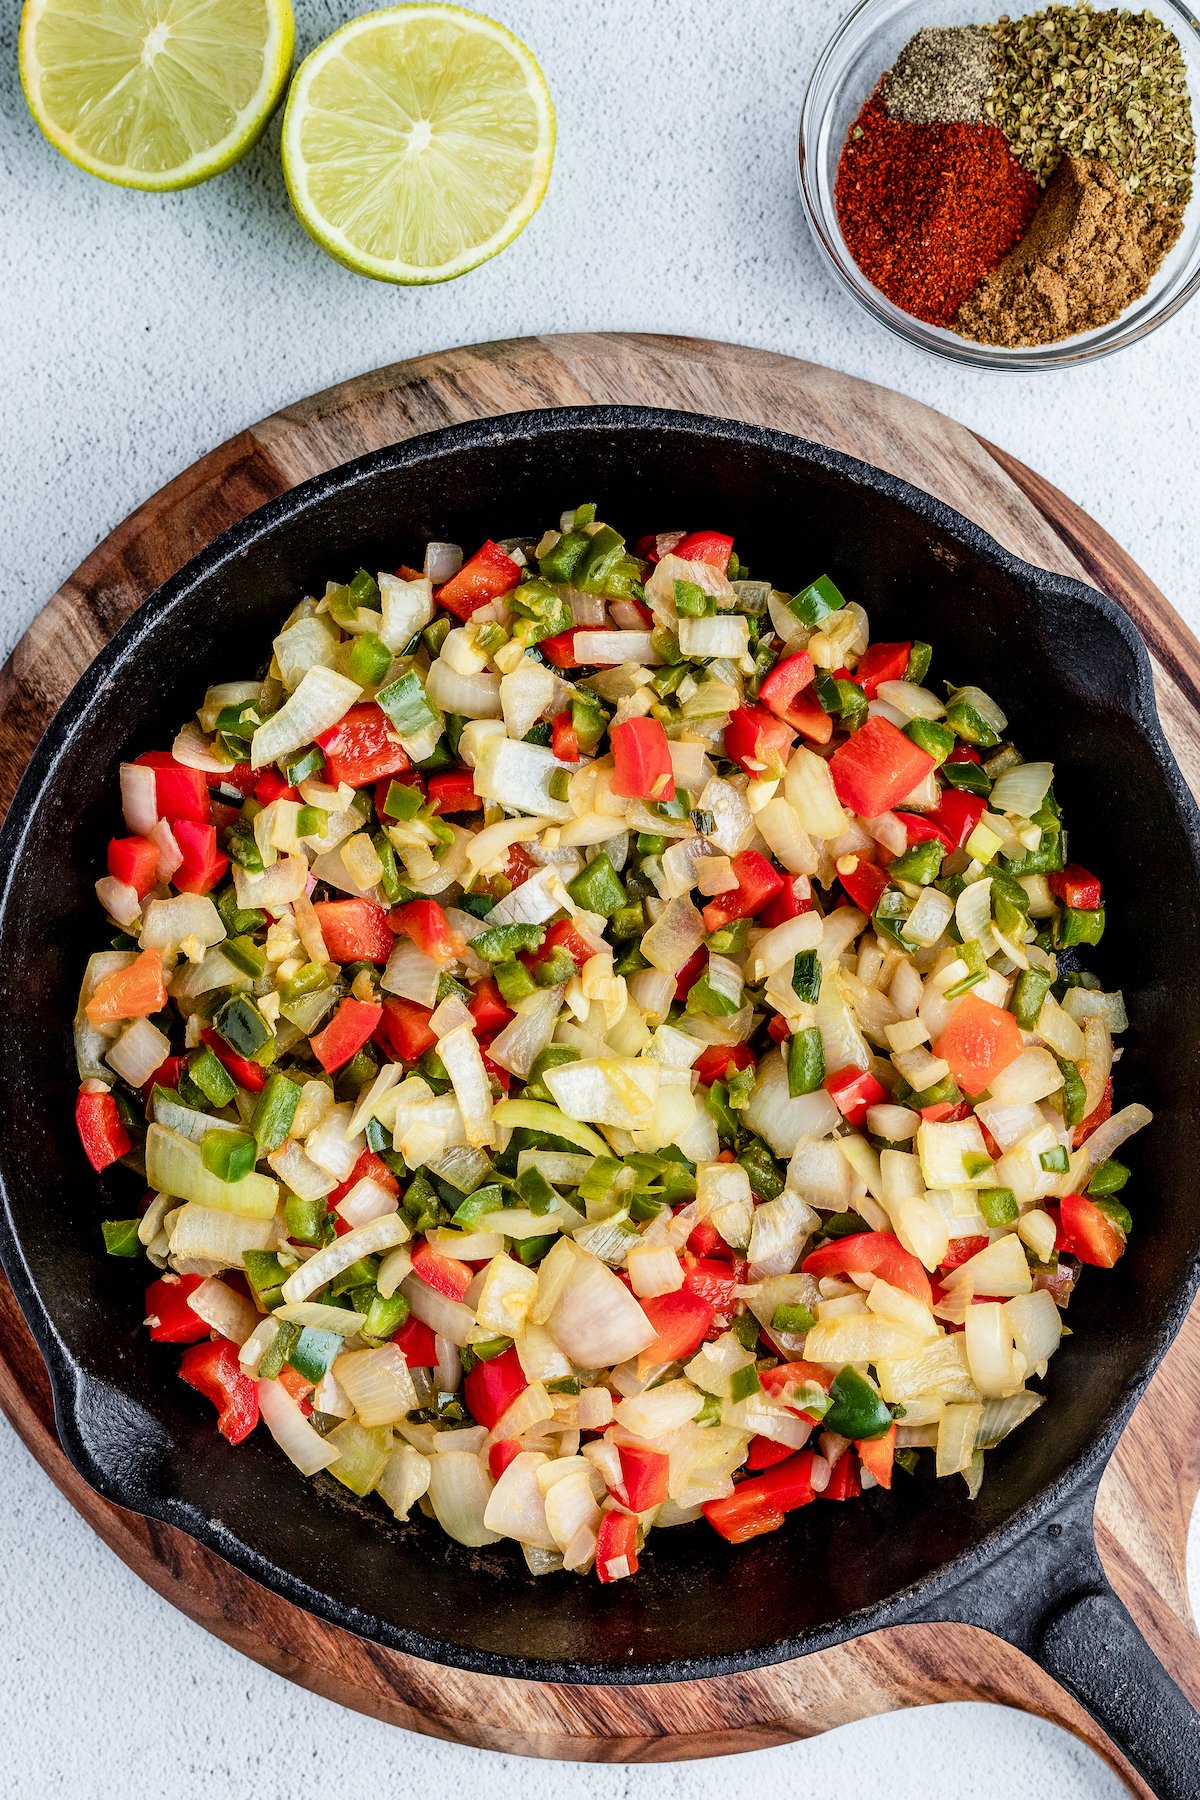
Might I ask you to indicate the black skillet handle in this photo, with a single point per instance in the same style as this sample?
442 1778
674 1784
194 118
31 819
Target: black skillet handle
1050 1597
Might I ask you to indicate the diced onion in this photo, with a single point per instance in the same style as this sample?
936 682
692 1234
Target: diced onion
322 698
139 798
367 1240
378 1383
229 1313
292 1431
596 1320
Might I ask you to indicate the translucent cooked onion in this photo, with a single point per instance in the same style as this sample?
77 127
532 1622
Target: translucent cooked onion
1019 792
596 1321
229 1313
169 922
523 1039
367 1240
808 787
138 1052
320 700
119 901
378 1383
169 854
139 798
674 936
913 701
292 1431
775 1116
442 562
411 974
472 696
447 1318
459 1492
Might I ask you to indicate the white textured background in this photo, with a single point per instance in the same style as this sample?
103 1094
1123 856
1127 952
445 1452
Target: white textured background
136 333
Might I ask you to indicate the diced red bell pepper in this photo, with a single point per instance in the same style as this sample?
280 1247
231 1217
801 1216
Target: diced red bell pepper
368 1167
785 692
882 662
922 828
843 1483
355 930
444 1274
564 739
777 1029
362 748
711 547
135 992
298 1386
559 650
705 1240
757 741
864 883
502 1452
134 860
405 1029
877 1456
453 791
562 935
416 1340
682 1320
958 814
488 1009
854 1091
715 1061
876 768
271 785
616 1546
644 1476
247 1074
214 1371
203 864
492 1386
760 1504
485 576
961 1250
778 1380
239 777
691 972
641 761
965 753
104 1138
944 1112
425 922
979 1040
713 1282
757 882
170 1318
871 1253
1090 1233
166 1075
346 1033
180 792
793 899
1076 886
764 1453
1103 1111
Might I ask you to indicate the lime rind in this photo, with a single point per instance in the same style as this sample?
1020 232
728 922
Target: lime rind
251 120
299 169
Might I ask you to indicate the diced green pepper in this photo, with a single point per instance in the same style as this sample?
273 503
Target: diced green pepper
969 724
766 1178
369 660
1056 1161
730 940
229 1155
710 1411
1116 1214
1072 1096
314 1353
385 1316
243 1027
274 1111
691 601
266 1275
744 1382
304 1220
1029 996
967 775
805 1056
1109 1177
279 1350
935 739
536 1191
998 1206
1076 926
407 705
856 1409
627 922
604 551
564 557
212 1078
121 1236
598 887
792 1319
360 1274
404 800
531 1250
550 970
817 601
977 970
514 981
920 863
716 1101
919 658
501 943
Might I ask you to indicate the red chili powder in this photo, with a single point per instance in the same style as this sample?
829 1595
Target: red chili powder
928 210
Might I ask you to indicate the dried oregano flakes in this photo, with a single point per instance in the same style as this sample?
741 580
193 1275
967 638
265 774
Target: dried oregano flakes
1112 85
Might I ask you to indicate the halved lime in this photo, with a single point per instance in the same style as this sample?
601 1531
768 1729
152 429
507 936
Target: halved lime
155 93
417 142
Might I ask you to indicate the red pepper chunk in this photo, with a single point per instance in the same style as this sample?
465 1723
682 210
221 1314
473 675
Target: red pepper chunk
757 741
691 972
877 1456
104 1138
784 692
180 792
502 1452
444 1274
170 1320
714 1282
346 1033
793 899
854 1091
559 650
716 1060
757 882
564 739
1090 1233
453 791
362 747
864 883
843 1483
764 1453
882 662
492 1386
246 1074
485 576
760 1504
711 547
958 814
1076 886
425 922
405 1029
682 1320
872 1253
416 1340
354 930
979 1041
369 1167
214 1371
876 768
616 1546
961 1250
641 761
562 935
488 1009
1103 1111
271 785
134 860
203 865
643 1476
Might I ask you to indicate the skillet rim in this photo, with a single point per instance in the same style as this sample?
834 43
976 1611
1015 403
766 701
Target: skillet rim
72 1386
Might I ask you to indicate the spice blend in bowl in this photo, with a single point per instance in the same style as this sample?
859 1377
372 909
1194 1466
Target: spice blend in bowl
1021 183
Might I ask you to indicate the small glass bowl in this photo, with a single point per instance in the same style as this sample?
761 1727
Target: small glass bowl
867 43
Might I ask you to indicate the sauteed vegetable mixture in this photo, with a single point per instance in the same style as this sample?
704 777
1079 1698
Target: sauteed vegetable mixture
606 1045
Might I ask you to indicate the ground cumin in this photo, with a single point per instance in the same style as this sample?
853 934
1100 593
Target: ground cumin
1090 251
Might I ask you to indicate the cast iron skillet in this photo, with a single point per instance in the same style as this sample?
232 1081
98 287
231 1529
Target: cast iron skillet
1074 677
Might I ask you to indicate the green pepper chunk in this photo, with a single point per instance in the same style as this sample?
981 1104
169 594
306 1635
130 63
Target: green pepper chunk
514 981
920 863
536 1191
243 1027
1029 996
314 1353
121 1236
384 1317
1056 1161
744 1382
920 656
274 1111
402 801
598 888
935 739
791 1319
766 1178
805 1055
1116 1214
1109 1177
369 660
817 601
212 1078
266 1275
998 1206
564 557
969 724
229 1155
501 943
971 777
531 1250
407 705
1072 1096
304 1220
856 1410
1075 926
279 1350
691 601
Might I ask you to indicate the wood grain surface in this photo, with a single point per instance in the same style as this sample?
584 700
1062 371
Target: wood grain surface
1147 1494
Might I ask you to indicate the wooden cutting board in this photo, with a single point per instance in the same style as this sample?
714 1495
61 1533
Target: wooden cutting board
1147 1494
